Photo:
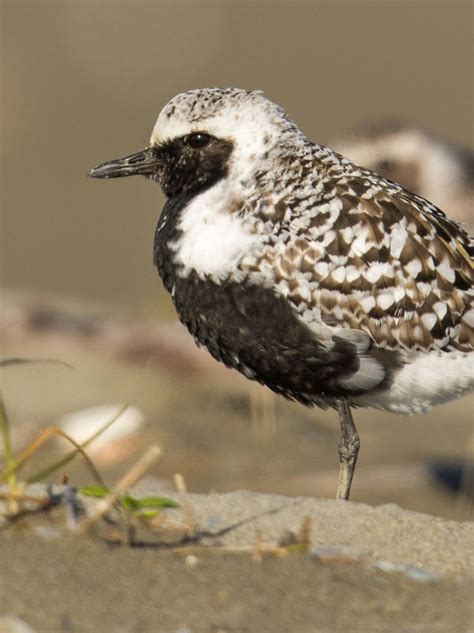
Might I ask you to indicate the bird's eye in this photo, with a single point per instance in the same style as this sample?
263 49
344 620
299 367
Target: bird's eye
197 140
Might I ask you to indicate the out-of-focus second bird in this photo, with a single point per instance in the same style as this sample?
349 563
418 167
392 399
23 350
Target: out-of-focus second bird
417 159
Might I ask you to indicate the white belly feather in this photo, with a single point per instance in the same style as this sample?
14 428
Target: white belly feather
426 380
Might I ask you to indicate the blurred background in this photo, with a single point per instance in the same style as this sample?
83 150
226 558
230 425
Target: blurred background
387 83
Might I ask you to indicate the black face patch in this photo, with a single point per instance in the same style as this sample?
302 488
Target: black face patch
186 170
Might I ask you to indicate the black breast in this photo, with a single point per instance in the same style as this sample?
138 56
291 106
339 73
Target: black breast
249 328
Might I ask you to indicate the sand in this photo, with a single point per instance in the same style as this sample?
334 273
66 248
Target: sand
365 569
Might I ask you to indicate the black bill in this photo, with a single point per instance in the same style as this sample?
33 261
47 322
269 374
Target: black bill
145 163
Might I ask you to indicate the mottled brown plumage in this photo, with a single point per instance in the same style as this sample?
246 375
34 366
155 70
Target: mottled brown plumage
373 257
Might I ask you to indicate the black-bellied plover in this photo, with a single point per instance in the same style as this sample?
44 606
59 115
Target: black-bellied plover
318 278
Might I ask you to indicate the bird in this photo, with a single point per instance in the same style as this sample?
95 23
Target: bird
320 279
419 160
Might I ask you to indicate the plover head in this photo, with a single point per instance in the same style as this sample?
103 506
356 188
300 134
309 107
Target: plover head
202 135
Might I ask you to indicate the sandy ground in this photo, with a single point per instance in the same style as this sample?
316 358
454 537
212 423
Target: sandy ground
386 569
365 569
203 420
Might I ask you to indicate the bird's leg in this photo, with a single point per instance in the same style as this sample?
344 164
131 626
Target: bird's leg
348 449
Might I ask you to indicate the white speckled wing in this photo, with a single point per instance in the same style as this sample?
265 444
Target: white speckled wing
353 250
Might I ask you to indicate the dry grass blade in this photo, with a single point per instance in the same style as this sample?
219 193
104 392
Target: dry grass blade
70 456
5 430
7 362
30 450
12 505
181 489
128 480
262 549
262 413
